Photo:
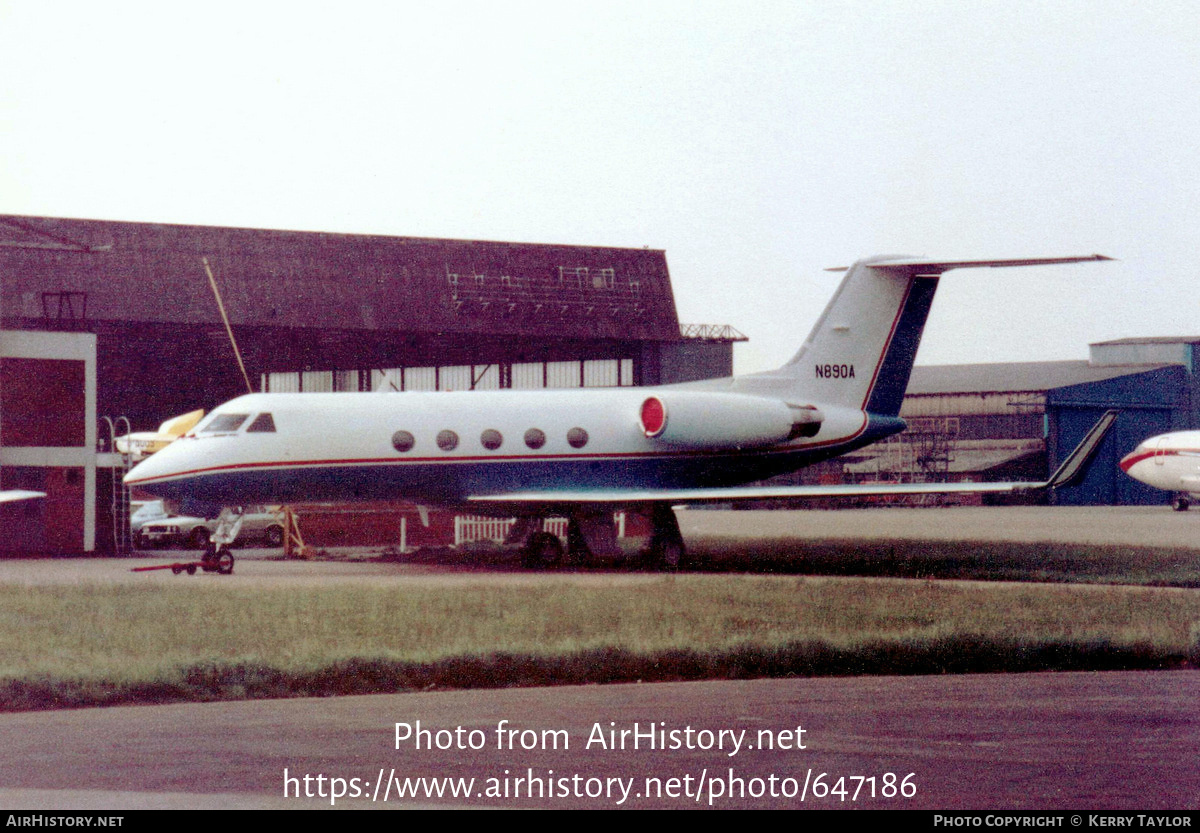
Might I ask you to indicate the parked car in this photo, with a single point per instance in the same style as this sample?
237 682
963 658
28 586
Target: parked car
143 513
193 533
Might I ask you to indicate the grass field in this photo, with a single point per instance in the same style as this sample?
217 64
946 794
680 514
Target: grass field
67 645
981 560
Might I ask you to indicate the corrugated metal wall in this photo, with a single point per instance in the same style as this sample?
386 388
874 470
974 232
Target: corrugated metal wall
588 373
1151 403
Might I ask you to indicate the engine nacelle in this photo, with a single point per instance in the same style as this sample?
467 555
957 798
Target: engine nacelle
702 419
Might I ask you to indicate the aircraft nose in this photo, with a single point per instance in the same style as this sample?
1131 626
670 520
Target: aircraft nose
1128 461
153 467
140 472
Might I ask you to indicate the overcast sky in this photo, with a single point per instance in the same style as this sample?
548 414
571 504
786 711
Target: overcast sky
756 142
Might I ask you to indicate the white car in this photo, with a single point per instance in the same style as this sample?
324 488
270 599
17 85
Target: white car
193 533
151 510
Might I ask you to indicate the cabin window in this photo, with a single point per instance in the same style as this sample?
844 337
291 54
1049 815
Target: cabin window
535 438
225 423
403 441
577 438
491 439
447 440
262 423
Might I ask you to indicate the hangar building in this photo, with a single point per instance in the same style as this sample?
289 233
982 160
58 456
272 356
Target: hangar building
129 327
111 326
1018 421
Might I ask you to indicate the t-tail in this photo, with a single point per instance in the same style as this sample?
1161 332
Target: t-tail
860 353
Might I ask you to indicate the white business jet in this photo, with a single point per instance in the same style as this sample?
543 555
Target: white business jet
1168 461
583 453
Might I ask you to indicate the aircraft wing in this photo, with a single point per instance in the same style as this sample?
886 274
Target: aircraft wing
750 493
19 494
1071 470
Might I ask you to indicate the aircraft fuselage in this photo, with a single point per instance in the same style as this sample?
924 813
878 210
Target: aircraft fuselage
443 447
1167 461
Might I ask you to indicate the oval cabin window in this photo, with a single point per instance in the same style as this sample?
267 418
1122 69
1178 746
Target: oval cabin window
447 440
491 439
403 441
535 438
577 438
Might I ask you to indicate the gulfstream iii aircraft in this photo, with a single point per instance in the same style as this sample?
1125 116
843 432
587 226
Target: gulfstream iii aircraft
582 453
1168 461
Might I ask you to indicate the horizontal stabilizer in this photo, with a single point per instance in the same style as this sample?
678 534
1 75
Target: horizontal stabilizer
936 267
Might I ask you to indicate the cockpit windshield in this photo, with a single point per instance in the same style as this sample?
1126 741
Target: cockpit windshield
262 423
224 423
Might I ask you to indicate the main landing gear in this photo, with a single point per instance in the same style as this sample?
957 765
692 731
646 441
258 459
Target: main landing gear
592 535
543 550
665 549
1180 503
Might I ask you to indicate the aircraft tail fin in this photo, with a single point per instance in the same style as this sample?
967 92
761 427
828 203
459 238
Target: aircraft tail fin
860 352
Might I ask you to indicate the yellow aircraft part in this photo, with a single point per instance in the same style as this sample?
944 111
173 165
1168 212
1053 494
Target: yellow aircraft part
180 425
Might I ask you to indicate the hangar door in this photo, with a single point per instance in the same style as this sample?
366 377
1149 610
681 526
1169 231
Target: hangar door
1105 483
1150 402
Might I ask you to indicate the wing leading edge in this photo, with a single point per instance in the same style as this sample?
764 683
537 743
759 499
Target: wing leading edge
1071 470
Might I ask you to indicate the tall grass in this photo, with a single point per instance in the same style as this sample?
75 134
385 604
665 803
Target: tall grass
83 644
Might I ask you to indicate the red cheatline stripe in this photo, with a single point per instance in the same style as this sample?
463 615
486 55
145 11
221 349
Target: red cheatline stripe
1135 457
382 461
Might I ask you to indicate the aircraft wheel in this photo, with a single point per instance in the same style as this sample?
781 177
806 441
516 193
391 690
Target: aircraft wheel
577 548
191 569
176 569
224 562
664 555
544 550
1180 504
208 560
670 555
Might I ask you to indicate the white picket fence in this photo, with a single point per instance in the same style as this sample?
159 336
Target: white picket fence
468 528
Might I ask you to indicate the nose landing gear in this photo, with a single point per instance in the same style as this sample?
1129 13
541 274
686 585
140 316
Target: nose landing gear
217 559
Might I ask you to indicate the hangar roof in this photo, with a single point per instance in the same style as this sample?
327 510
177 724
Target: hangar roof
1151 340
1012 377
152 272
